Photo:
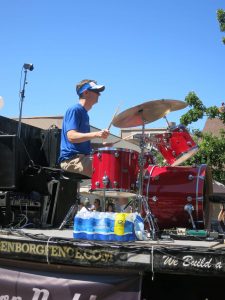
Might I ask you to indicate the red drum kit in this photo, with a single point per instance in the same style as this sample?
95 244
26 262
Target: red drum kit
169 196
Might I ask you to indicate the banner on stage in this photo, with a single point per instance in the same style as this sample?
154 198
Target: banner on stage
17 284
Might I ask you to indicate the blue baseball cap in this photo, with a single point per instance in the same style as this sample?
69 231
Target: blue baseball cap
91 86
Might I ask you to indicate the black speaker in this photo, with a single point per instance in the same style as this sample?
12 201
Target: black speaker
51 145
65 197
13 160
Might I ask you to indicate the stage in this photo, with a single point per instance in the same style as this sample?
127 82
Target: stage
44 262
192 256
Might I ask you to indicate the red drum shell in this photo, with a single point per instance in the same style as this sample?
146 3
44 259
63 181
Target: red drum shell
149 159
176 145
169 189
119 166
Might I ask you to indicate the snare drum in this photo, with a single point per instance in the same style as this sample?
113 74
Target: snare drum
176 145
174 192
114 172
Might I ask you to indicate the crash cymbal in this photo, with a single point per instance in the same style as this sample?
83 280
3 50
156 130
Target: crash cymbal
147 112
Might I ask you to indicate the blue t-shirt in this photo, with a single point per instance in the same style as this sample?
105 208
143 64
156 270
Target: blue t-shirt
76 118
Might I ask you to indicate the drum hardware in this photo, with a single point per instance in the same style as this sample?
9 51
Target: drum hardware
154 198
189 198
116 154
191 177
189 208
105 181
115 183
199 198
142 201
153 227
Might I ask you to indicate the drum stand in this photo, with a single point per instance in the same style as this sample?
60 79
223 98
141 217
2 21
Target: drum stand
142 200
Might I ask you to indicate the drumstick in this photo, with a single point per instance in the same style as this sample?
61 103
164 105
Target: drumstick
113 117
123 139
127 137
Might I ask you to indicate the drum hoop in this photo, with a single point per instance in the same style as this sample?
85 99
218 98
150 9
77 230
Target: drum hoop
199 176
182 154
113 190
176 126
114 149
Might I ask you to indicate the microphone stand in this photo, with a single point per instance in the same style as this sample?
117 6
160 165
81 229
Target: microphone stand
22 96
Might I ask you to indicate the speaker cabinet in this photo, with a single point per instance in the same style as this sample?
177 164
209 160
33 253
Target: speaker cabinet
13 160
65 197
51 145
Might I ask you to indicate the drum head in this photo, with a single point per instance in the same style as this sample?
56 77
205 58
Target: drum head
185 156
113 193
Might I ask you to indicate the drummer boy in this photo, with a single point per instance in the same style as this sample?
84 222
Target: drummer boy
75 147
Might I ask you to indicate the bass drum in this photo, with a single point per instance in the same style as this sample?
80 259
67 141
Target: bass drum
179 196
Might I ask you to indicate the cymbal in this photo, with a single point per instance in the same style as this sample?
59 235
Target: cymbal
147 112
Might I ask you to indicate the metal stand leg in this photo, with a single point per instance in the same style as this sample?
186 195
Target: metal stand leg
70 215
153 227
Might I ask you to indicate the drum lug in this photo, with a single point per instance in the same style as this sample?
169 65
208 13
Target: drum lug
174 153
189 198
97 183
99 155
115 183
116 154
191 177
189 143
105 180
199 198
154 198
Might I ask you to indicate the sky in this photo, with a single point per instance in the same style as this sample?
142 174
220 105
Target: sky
141 50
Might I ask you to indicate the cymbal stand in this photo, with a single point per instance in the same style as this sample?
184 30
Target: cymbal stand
142 200
168 123
153 227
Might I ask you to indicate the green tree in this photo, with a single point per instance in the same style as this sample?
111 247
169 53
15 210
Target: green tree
221 20
198 110
211 148
211 152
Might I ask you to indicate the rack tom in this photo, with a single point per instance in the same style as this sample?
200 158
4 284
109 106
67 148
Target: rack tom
176 145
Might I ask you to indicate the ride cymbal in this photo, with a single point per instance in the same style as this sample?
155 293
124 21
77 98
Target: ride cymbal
147 112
